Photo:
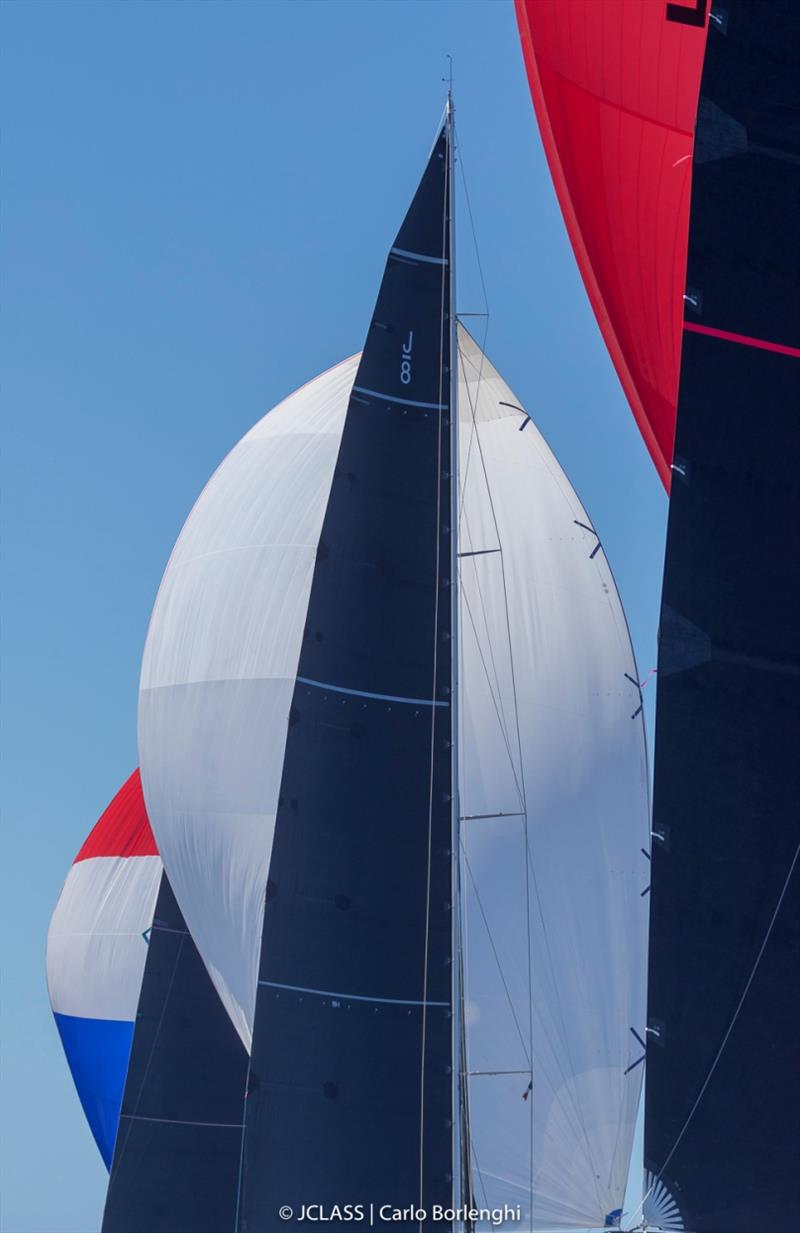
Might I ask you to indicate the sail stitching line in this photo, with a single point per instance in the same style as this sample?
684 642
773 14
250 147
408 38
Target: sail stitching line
405 252
352 997
176 1121
726 1037
365 693
174 973
406 402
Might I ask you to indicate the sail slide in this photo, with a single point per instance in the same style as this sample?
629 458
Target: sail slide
96 953
615 85
722 1121
555 830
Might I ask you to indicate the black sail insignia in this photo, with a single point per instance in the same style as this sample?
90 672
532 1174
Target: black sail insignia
176 1158
722 1124
350 1088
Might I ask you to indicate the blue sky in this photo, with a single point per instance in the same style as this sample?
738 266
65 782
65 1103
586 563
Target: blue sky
197 200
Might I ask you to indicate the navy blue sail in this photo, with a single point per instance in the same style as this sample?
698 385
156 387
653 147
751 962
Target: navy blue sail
176 1159
722 1129
350 1085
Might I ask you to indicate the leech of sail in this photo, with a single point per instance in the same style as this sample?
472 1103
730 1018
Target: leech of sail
365 693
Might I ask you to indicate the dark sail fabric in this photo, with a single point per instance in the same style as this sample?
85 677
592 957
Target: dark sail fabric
722 1129
176 1160
350 1088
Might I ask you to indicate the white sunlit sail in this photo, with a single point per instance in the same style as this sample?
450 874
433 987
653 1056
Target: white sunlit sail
393 756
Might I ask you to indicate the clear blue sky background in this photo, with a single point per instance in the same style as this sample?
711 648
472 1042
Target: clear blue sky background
197 200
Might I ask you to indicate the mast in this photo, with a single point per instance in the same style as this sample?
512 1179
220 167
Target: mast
460 1145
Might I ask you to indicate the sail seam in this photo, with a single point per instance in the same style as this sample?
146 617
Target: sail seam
406 402
405 252
352 997
365 693
177 1121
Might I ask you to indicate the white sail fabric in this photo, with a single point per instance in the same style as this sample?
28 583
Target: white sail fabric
555 923
219 670
555 928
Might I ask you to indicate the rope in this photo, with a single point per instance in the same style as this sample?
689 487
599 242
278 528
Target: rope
725 1038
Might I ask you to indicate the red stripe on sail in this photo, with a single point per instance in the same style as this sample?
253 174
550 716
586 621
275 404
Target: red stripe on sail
123 828
762 343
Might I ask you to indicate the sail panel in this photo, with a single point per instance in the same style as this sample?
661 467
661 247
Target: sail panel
615 88
176 1163
350 1091
552 737
218 674
96 952
722 1117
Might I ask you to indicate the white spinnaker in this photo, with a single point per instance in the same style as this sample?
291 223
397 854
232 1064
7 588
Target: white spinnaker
219 669
217 679
548 739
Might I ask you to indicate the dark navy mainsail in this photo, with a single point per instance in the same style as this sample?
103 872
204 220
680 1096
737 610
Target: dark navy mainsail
350 1087
176 1159
723 1083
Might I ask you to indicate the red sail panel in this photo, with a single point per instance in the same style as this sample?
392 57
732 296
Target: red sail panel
123 828
615 85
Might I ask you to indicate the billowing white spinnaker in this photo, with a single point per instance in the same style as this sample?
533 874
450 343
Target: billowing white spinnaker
218 673
555 922
552 891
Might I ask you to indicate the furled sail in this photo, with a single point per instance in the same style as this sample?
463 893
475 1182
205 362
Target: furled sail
295 741
722 1123
96 953
614 84
555 829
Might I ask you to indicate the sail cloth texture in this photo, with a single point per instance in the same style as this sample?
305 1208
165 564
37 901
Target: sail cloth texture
96 953
722 1113
615 86
552 737
218 674
295 738
585 784
176 1158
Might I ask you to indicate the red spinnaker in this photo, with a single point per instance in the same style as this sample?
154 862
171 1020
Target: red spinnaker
615 85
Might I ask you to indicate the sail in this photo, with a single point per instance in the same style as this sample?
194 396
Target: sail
176 1161
614 85
294 732
554 831
723 1085
96 952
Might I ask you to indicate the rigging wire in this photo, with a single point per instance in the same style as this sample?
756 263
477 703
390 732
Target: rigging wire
433 709
657 1178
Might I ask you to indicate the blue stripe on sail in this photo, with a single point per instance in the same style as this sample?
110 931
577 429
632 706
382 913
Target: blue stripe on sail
97 1052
